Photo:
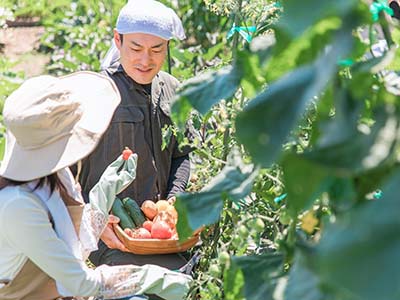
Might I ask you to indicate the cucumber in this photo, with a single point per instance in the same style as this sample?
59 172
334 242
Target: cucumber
118 210
134 211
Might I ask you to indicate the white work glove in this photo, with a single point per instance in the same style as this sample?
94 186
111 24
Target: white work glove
118 175
130 280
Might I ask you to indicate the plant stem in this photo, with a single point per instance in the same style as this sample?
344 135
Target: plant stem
237 23
385 28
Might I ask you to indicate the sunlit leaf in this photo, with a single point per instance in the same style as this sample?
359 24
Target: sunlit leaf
303 189
302 50
234 283
252 79
300 15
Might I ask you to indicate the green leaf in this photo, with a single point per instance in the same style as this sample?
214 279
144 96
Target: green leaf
197 209
183 227
395 65
300 15
180 112
266 121
205 90
363 86
252 79
342 194
68 64
213 51
356 248
344 124
371 180
167 132
303 283
260 274
233 283
302 50
2 147
81 55
182 55
360 151
303 190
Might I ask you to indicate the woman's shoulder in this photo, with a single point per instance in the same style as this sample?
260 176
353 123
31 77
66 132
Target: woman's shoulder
18 197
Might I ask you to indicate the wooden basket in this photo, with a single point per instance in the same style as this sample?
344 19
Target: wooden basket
155 246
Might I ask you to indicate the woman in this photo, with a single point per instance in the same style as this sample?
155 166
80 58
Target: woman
46 231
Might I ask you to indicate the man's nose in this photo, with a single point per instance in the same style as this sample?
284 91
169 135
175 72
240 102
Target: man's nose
145 59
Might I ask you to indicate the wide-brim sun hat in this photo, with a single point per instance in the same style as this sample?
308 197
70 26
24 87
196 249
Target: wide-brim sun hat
54 122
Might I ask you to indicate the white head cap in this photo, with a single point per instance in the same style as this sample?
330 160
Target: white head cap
151 17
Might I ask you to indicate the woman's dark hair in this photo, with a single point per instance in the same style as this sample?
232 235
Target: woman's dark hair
52 180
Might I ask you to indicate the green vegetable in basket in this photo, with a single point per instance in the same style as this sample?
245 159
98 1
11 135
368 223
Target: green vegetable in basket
119 211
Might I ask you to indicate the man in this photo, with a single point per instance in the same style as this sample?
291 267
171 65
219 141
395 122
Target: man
380 46
394 5
141 37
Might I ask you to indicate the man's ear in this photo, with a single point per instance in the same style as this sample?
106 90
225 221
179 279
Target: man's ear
117 39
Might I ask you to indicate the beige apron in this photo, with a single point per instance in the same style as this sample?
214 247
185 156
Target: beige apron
31 283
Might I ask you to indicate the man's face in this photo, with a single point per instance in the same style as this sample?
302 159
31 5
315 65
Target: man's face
142 55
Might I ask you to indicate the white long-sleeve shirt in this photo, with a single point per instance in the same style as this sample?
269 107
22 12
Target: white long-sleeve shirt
26 233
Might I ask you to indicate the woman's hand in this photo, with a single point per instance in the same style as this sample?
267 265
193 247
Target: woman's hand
116 177
110 238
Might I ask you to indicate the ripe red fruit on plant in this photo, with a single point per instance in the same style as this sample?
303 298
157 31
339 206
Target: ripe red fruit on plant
126 153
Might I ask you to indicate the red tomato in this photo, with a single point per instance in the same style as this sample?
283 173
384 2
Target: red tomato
148 225
161 230
126 153
141 233
166 217
129 232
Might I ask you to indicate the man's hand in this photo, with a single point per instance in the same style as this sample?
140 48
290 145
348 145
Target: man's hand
172 200
110 238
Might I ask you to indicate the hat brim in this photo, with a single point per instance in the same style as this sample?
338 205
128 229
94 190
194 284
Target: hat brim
99 97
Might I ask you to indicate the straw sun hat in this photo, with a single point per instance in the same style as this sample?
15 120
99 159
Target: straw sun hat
54 122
